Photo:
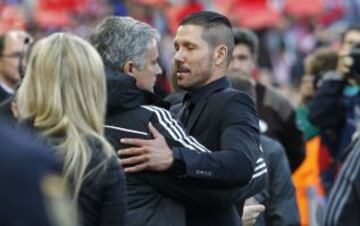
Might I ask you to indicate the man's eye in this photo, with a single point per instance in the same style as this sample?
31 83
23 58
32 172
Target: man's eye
242 57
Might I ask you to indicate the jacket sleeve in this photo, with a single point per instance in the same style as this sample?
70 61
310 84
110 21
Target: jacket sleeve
293 141
189 194
184 189
326 109
239 158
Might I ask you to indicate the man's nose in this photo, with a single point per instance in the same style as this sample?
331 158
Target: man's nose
179 56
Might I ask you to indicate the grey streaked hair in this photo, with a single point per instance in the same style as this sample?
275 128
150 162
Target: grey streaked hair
121 39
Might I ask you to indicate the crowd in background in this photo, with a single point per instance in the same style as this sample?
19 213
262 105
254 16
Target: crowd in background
288 29
297 53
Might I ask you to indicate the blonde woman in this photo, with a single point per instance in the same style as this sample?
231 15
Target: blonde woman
63 95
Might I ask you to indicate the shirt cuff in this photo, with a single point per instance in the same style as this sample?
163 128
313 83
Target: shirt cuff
178 167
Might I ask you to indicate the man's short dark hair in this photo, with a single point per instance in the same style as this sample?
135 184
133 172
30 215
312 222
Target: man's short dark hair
353 27
217 29
248 38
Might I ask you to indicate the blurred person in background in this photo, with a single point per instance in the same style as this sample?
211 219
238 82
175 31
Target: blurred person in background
278 198
275 112
335 108
317 64
63 98
316 172
14 46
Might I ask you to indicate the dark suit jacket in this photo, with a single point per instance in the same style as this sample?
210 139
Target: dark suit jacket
225 121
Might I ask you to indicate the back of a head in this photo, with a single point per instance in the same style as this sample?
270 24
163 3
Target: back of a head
217 29
321 61
244 84
64 83
248 38
122 39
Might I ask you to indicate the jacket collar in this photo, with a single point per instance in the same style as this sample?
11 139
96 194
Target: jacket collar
196 95
123 94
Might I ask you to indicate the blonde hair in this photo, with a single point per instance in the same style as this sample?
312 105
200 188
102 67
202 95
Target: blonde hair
64 95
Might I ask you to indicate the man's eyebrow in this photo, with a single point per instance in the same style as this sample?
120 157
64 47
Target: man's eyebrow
185 42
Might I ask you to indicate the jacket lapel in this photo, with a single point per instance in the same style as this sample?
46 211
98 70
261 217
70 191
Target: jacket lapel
195 114
179 112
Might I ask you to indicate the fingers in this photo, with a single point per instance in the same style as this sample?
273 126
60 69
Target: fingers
136 169
257 208
249 222
134 141
130 152
133 159
138 160
250 214
154 131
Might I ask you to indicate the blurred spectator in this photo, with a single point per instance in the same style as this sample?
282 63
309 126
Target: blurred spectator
336 106
317 171
279 197
317 64
14 46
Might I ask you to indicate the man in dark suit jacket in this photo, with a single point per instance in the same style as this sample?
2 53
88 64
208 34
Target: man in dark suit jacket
222 119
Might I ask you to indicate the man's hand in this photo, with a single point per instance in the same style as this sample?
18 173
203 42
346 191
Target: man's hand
250 213
152 155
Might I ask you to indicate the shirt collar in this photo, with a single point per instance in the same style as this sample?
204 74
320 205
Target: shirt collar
7 88
196 95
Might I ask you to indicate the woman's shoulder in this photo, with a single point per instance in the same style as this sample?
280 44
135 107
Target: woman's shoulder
108 163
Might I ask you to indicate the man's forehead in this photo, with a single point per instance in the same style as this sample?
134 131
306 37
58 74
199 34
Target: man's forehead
188 30
16 37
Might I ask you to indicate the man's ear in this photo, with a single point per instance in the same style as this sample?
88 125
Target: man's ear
220 54
129 68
